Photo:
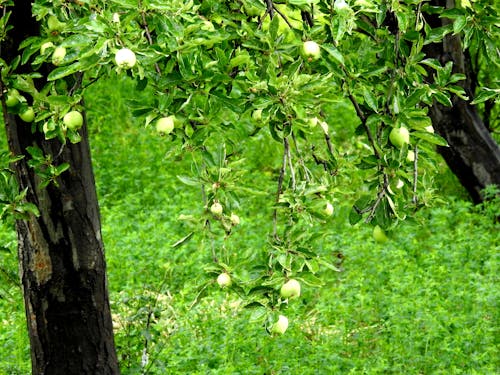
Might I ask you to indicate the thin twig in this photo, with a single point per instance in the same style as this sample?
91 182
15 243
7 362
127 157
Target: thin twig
380 195
280 187
301 159
415 176
283 16
148 37
290 164
329 143
362 117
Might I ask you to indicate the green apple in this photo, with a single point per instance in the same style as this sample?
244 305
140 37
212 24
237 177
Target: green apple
165 125
399 136
49 126
313 122
342 7
280 326
216 209
311 50
410 156
12 98
45 46
290 289
328 209
58 55
235 219
208 26
125 58
257 115
224 280
251 9
54 25
379 235
73 120
27 115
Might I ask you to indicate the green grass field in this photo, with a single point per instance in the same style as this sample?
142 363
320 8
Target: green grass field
426 302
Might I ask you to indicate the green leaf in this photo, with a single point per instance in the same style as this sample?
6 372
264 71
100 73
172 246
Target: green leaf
370 99
335 53
486 94
191 181
433 63
459 24
61 168
63 71
183 240
443 98
354 216
430 137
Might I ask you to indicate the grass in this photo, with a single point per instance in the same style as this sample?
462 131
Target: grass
426 302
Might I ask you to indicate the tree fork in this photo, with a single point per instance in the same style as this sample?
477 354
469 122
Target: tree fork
61 253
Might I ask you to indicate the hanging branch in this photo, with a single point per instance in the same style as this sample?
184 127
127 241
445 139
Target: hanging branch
301 159
380 195
283 16
362 117
290 164
383 189
415 176
148 35
269 10
280 185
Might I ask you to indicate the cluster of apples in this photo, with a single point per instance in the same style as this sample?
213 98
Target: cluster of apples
224 279
289 290
13 99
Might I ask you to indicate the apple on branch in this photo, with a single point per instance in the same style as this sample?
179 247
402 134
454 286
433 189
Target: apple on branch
379 235
311 50
12 98
27 115
235 219
216 209
280 326
328 209
73 120
399 136
165 125
125 58
290 289
58 55
224 280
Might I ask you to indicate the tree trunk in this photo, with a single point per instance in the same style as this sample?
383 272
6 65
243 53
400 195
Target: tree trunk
473 155
61 253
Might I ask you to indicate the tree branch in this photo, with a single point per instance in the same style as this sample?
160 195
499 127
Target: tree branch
280 185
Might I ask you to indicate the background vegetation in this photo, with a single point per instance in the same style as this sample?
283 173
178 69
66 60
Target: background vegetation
426 302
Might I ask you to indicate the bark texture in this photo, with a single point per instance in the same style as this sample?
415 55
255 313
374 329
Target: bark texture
61 254
473 155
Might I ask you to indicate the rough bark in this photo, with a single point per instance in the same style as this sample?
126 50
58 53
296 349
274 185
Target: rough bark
61 254
473 155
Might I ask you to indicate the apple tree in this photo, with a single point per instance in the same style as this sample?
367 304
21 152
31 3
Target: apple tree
220 74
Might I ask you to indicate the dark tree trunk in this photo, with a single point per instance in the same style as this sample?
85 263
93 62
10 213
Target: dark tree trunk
61 253
473 155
